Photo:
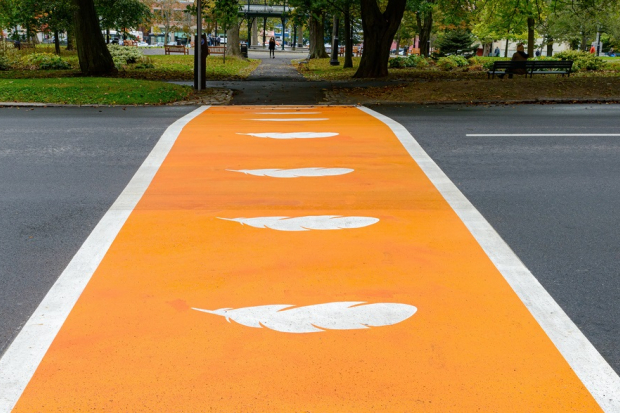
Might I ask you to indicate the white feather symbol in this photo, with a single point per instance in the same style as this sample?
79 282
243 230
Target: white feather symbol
292 135
347 315
294 173
289 119
319 222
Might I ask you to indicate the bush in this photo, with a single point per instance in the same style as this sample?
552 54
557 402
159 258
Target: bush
452 62
4 63
123 55
44 61
417 61
145 65
582 60
397 62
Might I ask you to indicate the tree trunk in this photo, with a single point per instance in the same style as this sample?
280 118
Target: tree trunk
94 57
425 26
255 31
107 36
232 40
584 40
70 37
550 47
530 36
348 41
317 40
506 49
379 30
57 42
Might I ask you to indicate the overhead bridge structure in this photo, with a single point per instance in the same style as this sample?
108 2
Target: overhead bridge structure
252 10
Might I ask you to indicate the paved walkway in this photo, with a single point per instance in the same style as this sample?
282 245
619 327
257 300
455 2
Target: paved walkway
277 82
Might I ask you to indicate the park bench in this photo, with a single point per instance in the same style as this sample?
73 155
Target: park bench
175 49
26 45
217 49
532 67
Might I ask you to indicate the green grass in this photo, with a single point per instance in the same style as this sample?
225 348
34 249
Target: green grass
173 67
180 67
90 90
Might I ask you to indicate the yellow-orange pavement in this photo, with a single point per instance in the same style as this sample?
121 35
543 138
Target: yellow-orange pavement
133 341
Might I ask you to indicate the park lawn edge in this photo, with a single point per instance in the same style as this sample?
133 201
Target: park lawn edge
92 91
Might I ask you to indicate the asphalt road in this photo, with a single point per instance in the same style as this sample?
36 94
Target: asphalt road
61 169
553 199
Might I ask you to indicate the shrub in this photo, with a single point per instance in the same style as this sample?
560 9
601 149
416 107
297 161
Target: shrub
581 60
145 65
44 61
4 63
398 62
123 55
417 61
452 62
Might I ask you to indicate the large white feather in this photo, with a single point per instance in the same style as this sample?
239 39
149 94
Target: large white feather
318 222
290 119
288 113
295 173
292 135
346 315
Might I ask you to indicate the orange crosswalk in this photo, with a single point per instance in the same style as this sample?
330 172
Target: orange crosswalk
334 276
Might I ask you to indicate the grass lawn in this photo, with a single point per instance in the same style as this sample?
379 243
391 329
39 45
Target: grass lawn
91 90
172 67
519 88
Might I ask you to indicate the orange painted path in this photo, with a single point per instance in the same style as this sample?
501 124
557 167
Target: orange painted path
133 343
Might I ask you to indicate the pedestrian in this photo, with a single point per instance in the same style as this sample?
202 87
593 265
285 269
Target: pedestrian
593 49
519 56
537 53
497 52
272 48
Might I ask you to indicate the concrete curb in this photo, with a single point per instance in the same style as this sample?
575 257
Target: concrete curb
481 102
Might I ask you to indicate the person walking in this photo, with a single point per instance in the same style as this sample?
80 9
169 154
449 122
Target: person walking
496 52
272 48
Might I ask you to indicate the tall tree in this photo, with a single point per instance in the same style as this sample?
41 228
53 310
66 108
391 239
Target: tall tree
379 29
94 56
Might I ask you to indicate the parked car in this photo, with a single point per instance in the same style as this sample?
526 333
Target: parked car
143 44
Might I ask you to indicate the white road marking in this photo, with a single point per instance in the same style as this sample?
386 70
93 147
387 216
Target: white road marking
591 368
538 134
292 135
290 120
294 173
27 350
318 222
319 317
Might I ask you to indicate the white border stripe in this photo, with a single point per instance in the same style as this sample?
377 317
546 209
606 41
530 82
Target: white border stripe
489 135
22 358
591 368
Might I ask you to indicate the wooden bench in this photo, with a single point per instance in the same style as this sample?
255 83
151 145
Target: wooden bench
26 45
175 49
217 49
532 67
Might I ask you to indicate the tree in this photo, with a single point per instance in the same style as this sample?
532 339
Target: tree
167 13
94 56
121 15
379 30
454 41
227 14
57 17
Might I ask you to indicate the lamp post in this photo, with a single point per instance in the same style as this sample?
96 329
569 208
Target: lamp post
197 48
334 60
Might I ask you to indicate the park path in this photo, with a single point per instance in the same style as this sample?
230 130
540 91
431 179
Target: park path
293 259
